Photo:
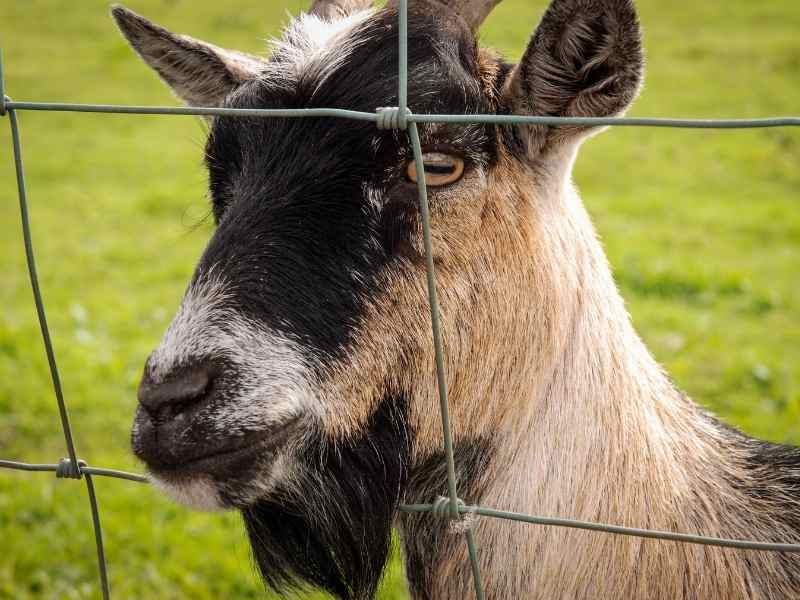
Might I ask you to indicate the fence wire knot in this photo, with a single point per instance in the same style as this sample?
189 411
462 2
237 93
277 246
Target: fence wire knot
390 117
3 101
461 522
67 469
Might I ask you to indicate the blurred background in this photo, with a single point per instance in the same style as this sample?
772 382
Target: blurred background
702 229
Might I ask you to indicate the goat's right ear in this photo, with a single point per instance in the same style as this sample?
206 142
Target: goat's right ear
585 60
199 73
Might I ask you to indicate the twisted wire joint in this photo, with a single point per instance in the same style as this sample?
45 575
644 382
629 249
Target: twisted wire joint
67 469
390 117
461 522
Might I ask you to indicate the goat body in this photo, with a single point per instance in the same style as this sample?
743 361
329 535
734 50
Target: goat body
296 381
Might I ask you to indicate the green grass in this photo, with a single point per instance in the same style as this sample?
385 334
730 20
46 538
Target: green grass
703 230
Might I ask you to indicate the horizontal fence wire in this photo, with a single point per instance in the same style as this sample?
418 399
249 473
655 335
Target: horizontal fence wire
357 115
397 118
60 467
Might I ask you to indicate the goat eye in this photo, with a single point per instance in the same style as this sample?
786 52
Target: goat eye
440 168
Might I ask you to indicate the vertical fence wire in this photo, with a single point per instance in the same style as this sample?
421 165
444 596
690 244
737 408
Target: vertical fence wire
441 378
98 537
34 279
2 87
67 468
400 118
433 301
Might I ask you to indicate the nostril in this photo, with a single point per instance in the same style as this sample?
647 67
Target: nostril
176 393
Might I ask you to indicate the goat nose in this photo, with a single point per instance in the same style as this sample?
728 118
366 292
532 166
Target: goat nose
179 391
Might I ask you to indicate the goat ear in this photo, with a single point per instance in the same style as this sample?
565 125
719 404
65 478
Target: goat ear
199 73
585 60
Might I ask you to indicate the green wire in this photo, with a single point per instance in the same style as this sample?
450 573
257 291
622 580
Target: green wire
338 113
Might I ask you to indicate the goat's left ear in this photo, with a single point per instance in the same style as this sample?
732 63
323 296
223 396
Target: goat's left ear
585 60
199 73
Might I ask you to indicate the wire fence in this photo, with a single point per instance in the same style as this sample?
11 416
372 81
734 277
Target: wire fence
398 117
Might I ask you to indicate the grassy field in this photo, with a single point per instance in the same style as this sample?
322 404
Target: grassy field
703 230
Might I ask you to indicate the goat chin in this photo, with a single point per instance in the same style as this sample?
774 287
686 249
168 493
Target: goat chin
197 492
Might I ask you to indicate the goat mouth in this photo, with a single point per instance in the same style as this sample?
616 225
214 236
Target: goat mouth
230 459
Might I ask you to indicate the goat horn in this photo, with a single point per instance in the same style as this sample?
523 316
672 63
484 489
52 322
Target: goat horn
473 12
337 9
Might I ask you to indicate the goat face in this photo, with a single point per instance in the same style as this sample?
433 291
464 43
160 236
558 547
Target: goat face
302 350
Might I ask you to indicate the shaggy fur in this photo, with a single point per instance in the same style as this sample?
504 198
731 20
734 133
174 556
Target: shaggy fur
330 523
319 313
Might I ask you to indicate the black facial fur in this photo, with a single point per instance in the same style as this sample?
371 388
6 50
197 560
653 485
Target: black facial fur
335 533
298 239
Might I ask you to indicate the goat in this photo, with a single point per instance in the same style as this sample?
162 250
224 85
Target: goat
296 381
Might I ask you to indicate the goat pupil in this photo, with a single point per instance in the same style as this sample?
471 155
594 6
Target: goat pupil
439 168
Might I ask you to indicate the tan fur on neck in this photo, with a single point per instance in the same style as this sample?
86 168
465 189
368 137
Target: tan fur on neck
541 355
